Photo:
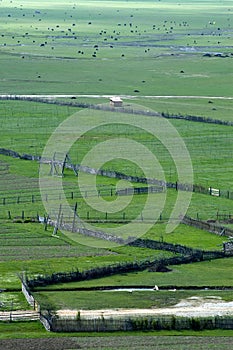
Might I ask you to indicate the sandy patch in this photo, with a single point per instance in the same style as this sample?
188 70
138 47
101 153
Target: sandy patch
191 307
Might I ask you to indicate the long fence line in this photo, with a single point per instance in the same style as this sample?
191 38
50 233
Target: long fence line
126 267
113 174
134 322
54 195
109 108
54 323
74 225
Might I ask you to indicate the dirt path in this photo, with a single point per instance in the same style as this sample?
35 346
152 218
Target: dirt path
191 307
123 96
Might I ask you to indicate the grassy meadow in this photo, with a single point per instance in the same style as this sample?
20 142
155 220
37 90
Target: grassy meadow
166 56
63 48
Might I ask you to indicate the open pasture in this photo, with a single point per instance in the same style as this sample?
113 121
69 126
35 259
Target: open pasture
30 242
26 126
200 274
89 43
217 108
209 145
28 200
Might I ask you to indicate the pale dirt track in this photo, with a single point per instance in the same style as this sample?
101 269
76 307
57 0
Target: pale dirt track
191 307
123 96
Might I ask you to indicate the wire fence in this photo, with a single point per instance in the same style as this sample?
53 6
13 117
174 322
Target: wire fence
124 109
157 185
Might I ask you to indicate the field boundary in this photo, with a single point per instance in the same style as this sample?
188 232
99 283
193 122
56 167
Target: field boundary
113 174
135 322
49 100
109 270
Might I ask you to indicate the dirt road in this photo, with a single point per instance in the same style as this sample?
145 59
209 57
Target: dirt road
191 307
49 96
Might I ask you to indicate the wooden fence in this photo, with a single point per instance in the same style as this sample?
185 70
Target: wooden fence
146 323
208 226
113 174
128 110
27 315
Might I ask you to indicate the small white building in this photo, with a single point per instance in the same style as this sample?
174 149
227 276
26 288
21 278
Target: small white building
116 101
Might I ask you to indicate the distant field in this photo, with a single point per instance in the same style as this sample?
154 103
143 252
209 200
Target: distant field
80 48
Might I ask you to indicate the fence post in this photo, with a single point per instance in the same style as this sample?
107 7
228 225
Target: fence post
9 214
58 220
61 221
11 311
45 223
75 210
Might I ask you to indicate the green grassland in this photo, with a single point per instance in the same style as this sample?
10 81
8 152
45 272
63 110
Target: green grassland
201 274
149 54
210 149
154 52
99 300
30 332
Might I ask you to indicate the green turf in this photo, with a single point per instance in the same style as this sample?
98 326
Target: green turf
98 300
34 330
201 274
149 54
